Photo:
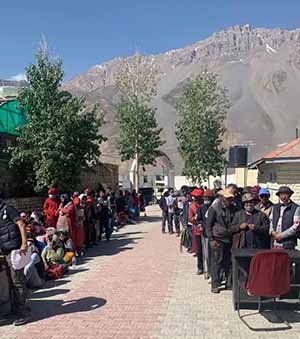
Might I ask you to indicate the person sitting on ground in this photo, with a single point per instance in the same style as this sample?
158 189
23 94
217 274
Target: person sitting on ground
67 246
52 256
35 270
265 205
285 220
250 227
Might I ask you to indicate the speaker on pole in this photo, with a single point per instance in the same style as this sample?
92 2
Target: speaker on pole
238 156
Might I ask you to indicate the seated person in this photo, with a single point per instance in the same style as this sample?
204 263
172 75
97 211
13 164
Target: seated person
250 227
53 254
67 245
34 271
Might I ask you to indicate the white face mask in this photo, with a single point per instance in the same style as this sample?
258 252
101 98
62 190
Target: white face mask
206 202
51 196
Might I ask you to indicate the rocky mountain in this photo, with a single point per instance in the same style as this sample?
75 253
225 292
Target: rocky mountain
259 67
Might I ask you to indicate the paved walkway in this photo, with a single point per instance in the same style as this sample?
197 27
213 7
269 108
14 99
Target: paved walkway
138 285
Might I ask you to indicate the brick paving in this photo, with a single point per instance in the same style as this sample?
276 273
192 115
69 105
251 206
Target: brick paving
137 286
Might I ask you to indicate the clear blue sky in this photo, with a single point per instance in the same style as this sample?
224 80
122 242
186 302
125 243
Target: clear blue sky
88 32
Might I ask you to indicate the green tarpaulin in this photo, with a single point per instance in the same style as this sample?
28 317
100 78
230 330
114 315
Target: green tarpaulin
11 117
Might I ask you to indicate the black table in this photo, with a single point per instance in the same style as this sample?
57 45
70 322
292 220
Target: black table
243 255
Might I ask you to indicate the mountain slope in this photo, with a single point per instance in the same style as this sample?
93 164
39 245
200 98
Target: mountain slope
260 67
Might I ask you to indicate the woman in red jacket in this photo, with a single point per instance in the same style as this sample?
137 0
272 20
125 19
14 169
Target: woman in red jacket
196 194
50 208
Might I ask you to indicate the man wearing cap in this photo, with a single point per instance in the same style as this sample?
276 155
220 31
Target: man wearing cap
265 205
285 220
250 227
219 219
50 208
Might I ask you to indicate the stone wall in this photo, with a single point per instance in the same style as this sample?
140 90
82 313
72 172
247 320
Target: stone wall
27 204
104 174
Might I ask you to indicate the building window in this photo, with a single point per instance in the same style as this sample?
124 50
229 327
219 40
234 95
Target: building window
159 178
145 179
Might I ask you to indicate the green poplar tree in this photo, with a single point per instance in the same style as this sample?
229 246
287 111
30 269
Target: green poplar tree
202 111
140 138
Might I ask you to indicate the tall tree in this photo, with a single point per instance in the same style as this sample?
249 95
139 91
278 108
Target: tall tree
202 111
136 79
61 136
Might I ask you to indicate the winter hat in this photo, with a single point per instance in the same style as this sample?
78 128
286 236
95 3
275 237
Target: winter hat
197 192
263 191
52 191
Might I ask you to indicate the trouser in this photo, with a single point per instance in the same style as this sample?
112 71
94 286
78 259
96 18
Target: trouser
207 254
199 253
105 227
177 222
164 220
17 280
170 222
220 262
31 273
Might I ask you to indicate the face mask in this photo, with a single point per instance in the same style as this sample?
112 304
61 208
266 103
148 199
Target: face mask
249 209
51 196
206 202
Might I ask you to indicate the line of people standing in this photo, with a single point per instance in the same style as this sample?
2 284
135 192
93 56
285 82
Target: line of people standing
218 221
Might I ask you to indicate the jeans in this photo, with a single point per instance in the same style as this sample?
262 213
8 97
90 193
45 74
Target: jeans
164 220
17 283
170 222
220 262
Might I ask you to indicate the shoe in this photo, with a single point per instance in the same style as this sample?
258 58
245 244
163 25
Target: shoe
21 321
215 290
200 272
178 235
171 232
163 232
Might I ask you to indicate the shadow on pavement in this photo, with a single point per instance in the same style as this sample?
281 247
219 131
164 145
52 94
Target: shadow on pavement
44 310
48 293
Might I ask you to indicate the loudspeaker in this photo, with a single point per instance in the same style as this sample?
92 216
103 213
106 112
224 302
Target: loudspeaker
238 156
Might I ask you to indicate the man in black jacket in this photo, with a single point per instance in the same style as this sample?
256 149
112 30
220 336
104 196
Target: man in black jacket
250 227
218 221
13 237
285 220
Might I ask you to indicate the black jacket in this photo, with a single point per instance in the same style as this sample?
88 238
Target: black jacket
163 204
10 236
201 217
259 237
219 220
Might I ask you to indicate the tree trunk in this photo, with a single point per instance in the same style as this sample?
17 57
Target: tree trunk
137 171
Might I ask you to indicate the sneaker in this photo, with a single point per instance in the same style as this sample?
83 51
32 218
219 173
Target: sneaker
199 272
215 290
21 321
